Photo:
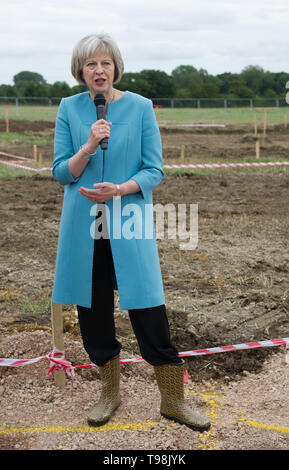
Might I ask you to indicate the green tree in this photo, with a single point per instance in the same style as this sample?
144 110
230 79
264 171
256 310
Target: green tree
59 90
203 90
193 83
33 89
238 89
7 90
253 76
149 83
269 93
183 75
225 80
268 82
135 83
26 80
160 84
78 89
280 80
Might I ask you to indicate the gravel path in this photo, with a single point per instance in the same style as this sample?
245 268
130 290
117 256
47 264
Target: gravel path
249 412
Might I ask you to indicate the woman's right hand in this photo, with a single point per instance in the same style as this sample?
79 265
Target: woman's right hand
98 131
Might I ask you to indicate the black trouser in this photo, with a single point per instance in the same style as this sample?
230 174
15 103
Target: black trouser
97 325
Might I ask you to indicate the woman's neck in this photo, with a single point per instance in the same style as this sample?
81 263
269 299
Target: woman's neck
110 97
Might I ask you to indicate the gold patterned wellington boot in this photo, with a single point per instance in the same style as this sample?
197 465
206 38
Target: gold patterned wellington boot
170 380
109 397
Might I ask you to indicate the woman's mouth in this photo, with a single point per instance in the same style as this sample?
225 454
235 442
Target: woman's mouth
100 81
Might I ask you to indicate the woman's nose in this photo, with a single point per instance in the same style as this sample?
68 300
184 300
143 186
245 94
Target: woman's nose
98 68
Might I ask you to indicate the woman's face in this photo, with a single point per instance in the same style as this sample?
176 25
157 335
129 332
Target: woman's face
98 73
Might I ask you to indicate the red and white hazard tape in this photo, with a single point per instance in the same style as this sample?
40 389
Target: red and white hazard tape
56 358
220 349
173 166
58 362
225 165
193 125
17 165
16 156
24 167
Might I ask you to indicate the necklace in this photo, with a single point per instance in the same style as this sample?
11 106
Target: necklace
113 97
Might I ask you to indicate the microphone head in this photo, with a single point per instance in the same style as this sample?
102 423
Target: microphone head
99 100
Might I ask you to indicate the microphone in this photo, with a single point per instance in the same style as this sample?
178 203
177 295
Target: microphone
99 101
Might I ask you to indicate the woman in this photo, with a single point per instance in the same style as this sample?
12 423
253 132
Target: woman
92 263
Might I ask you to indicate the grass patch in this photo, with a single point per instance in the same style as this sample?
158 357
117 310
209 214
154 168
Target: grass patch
235 159
212 171
13 173
168 115
220 115
14 137
43 305
31 113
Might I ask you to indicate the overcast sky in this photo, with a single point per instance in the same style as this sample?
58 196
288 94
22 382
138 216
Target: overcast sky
217 35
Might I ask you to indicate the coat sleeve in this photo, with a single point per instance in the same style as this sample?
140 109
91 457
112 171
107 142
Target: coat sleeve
151 172
63 147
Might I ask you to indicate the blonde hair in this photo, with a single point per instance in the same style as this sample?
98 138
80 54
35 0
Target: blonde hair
87 46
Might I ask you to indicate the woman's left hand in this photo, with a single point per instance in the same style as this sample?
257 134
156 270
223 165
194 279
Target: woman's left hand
103 192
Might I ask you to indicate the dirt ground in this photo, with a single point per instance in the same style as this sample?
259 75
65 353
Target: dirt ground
232 288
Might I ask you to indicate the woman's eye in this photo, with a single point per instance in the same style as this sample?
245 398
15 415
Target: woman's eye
93 64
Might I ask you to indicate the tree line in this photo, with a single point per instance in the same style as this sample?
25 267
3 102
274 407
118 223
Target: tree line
185 81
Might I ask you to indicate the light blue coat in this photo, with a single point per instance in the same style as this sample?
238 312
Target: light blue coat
134 152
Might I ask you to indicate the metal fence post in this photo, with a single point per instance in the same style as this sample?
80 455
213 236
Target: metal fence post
58 340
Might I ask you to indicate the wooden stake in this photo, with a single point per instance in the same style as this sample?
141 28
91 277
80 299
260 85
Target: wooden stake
58 340
7 120
257 149
35 152
182 153
265 125
40 158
